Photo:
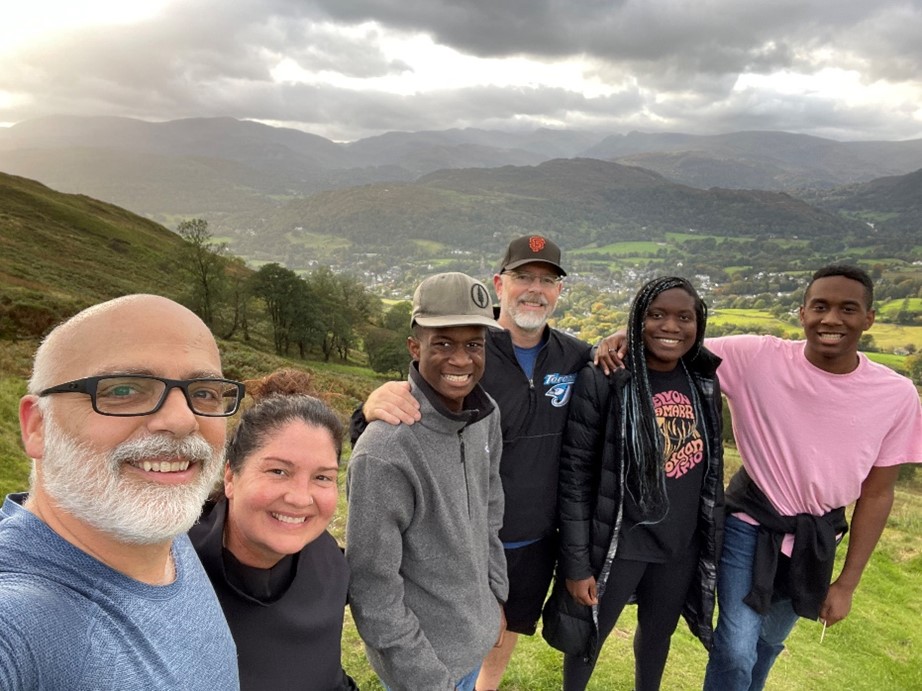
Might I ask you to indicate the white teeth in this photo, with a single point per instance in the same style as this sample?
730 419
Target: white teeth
288 519
162 466
831 337
668 341
456 377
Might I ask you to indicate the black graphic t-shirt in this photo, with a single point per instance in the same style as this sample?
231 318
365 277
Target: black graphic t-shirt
671 537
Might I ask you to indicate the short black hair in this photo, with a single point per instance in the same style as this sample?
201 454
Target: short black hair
848 271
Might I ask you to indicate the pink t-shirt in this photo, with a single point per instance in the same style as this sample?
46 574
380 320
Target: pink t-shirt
809 438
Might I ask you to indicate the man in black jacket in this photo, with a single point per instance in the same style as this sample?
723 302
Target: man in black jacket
530 371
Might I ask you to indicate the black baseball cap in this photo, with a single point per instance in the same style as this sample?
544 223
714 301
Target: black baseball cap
531 248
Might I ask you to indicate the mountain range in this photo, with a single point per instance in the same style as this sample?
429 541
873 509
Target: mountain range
215 165
279 194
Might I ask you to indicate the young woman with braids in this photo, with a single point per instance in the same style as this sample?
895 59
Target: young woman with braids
641 491
279 575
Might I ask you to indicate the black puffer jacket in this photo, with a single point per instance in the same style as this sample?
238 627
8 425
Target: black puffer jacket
591 499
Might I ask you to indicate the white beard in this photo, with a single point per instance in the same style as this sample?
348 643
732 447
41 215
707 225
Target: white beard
527 320
92 485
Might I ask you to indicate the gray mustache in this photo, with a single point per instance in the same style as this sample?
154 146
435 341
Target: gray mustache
193 448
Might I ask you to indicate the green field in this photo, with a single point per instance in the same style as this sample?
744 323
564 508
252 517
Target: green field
623 249
887 337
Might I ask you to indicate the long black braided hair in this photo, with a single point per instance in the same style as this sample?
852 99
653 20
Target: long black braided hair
643 440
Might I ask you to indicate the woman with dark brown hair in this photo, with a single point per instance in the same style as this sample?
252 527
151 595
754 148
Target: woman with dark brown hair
280 576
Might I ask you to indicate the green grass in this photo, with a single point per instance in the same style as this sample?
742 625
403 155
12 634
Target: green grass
887 337
877 647
891 307
754 320
14 467
623 249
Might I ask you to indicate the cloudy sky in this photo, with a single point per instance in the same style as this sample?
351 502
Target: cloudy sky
345 69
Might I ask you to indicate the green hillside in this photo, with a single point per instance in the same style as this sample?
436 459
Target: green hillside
59 253
581 201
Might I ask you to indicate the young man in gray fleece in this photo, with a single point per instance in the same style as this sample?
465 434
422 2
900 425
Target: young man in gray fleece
426 506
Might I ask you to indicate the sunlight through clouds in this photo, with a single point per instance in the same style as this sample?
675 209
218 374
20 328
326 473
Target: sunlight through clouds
23 21
347 70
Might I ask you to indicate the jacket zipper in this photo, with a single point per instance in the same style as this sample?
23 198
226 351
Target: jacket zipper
467 492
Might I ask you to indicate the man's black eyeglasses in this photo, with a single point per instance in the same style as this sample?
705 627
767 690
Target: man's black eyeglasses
128 395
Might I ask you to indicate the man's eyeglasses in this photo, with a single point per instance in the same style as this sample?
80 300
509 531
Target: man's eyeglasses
523 278
127 395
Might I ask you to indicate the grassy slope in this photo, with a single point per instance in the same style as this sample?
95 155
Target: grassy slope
77 249
877 647
47 244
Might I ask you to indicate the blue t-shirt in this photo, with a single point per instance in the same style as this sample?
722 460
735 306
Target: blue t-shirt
527 358
69 622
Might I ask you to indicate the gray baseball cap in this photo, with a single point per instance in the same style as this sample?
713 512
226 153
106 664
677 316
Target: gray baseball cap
452 299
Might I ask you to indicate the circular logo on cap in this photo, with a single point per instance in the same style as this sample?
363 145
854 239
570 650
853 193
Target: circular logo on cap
480 296
536 243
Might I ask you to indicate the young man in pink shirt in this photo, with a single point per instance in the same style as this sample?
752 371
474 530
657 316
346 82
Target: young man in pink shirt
818 426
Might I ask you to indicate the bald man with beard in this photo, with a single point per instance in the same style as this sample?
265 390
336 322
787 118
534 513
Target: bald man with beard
99 586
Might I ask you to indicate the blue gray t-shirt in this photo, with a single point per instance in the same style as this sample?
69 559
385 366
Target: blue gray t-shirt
69 622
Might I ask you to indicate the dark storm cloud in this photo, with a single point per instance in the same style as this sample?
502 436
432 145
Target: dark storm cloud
674 63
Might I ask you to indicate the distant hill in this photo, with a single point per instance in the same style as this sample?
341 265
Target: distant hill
211 166
584 201
62 252
893 204
760 160
215 166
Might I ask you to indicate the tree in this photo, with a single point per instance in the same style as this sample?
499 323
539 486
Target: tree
285 294
397 318
866 343
205 264
387 351
343 305
914 367
387 347
239 295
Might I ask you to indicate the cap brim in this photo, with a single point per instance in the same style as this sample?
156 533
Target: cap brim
459 320
523 262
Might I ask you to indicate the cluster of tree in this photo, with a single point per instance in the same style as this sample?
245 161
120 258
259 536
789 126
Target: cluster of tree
323 310
386 345
334 313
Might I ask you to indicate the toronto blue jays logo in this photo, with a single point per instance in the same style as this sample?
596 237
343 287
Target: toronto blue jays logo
561 388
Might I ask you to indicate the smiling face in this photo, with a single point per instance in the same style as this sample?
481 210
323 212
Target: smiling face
669 329
141 479
284 495
528 306
834 315
451 360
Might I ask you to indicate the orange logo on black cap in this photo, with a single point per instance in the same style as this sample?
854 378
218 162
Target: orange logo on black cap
536 243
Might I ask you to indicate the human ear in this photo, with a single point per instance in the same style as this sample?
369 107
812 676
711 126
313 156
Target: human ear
413 347
228 481
32 426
